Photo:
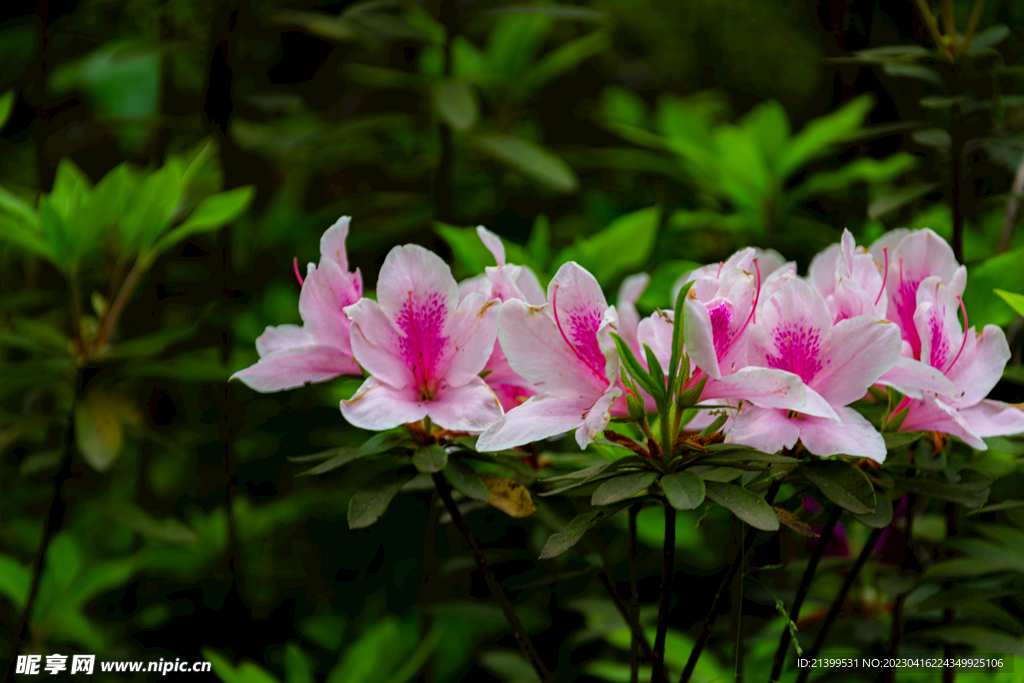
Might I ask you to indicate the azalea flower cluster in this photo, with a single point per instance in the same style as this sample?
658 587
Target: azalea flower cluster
782 356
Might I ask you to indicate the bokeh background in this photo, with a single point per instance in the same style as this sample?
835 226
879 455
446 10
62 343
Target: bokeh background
629 135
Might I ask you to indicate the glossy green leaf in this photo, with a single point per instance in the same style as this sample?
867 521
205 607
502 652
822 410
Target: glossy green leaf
429 459
531 160
985 640
684 490
971 494
368 503
745 504
900 198
842 483
620 248
465 480
881 516
297 665
573 532
820 135
563 59
455 102
6 106
212 213
622 487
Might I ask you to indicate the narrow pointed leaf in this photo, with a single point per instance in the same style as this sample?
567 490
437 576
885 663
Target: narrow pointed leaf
465 480
842 483
368 503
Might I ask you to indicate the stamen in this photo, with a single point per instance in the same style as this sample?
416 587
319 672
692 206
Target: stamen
554 308
721 264
885 274
295 263
963 309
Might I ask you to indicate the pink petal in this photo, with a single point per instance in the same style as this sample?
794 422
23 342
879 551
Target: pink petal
656 332
332 243
478 283
578 306
377 406
413 274
937 324
981 365
763 387
528 284
862 349
698 331
766 429
597 418
824 266
852 435
470 339
911 377
509 387
493 244
792 332
537 352
374 344
326 292
817 406
292 367
994 418
282 337
471 407
629 318
933 415
538 418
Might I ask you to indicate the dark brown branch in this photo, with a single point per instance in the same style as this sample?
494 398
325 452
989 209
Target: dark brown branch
667 567
634 603
801 593
522 637
709 621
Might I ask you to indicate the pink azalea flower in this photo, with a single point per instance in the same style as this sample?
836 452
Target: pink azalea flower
565 349
630 292
914 255
853 283
319 350
837 363
717 313
973 362
423 348
503 282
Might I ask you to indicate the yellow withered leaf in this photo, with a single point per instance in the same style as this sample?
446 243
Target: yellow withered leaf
508 495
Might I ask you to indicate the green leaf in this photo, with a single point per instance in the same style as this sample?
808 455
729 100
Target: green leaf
54 231
335 458
245 672
862 170
684 490
150 206
1015 301
6 106
842 483
514 41
12 204
636 371
745 504
98 212
897 440
1002 272
531 160
563 59
881 517
561 541
297 666
212 213
98 431
1005 505
914 71
622 487
368 503
430 459
455 102
968 494
989 37
985 640
900 198
820 135
465 480
377 651
623 246
14 581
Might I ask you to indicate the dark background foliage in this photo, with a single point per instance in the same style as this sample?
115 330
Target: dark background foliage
201 533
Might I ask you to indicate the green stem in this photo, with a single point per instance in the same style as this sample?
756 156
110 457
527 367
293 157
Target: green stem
634 602
801 593
117 307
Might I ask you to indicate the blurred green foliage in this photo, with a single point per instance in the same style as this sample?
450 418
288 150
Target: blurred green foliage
628 136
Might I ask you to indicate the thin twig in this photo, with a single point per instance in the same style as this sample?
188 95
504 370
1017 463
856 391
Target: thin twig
668 565
1012 208
624 610
54 519
972 23
709 621
634 602
522 637
957 150
837 604
117 308
801 593
933 29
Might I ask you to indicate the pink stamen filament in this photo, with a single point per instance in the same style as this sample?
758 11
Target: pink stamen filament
885 274
554 308
721 264
295 263
963 343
